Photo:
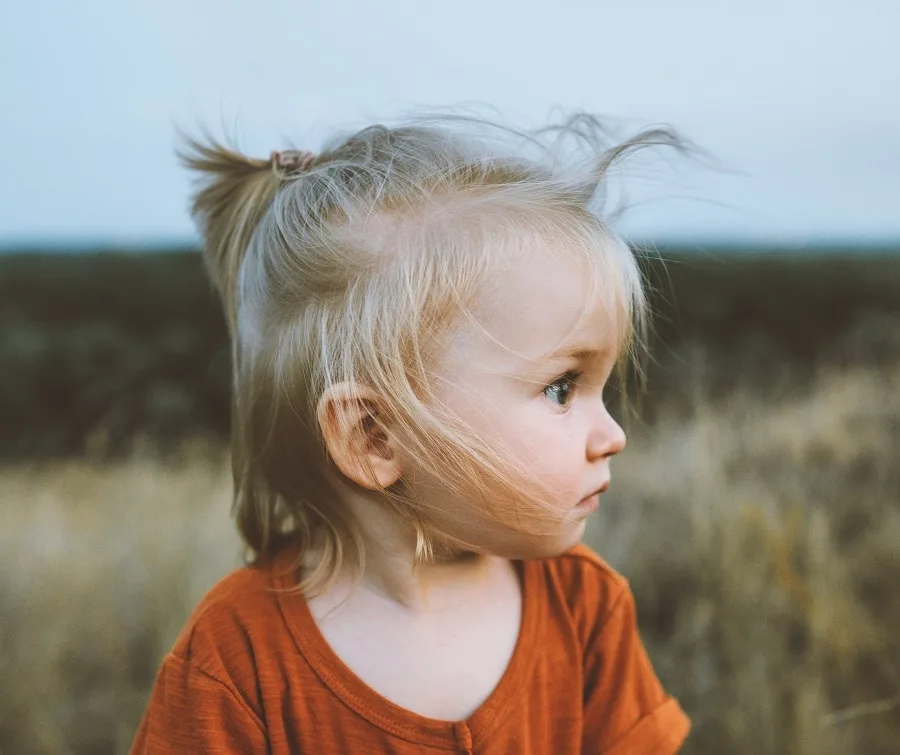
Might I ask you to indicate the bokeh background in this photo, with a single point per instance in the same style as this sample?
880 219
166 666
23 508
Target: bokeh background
756 511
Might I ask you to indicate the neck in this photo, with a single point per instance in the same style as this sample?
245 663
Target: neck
390 569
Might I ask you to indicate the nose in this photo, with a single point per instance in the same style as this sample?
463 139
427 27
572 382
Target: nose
606 438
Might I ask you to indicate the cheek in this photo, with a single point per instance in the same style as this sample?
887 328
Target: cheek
546 444
550 447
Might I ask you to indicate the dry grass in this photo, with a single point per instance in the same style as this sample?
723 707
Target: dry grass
99 567
762 541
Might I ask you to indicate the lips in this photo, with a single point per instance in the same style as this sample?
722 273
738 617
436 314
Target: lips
587 499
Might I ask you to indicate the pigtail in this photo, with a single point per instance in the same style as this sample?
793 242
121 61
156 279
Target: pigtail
234 193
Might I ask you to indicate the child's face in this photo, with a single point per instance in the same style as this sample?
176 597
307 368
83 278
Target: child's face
521 385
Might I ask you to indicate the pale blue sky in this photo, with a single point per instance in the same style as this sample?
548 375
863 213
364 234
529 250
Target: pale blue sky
803 96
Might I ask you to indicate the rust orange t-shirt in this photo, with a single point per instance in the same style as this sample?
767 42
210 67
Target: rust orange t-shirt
251 673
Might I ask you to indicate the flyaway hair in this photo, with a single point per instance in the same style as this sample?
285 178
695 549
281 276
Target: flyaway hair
356 265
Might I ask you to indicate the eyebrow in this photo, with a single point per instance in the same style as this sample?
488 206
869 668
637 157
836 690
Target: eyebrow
580 352
576 351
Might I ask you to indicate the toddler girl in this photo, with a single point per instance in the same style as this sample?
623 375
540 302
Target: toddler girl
423 322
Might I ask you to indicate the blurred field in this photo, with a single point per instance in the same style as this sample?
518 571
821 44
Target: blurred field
98 349
756 511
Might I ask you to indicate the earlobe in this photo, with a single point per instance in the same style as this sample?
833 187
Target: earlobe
355 427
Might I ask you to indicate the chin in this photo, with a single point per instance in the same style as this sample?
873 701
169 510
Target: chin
572 538
535 550
521 546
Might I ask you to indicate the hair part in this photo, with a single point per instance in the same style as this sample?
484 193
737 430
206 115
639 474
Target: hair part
357 268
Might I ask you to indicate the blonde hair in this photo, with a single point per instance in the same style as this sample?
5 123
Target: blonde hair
355 269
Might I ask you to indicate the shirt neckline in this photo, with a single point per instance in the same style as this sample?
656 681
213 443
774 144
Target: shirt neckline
389 716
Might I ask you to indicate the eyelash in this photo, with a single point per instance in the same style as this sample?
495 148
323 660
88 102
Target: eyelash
573 377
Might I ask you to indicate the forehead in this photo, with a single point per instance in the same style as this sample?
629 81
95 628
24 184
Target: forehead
542 300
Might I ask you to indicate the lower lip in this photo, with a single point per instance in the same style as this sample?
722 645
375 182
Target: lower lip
589 505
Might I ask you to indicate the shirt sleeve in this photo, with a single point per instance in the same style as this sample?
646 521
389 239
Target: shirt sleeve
193 711
626 710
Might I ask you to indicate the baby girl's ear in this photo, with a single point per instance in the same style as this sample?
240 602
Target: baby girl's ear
354 423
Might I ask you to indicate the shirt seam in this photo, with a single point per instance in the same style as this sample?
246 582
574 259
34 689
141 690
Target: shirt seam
354 702
674 736
617 601
230 688
537 620
622 587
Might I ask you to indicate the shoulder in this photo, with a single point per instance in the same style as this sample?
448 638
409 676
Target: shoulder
238 615
587 587
626 708
207 694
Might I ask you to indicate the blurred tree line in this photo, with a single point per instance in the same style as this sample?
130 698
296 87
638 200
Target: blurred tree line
100 348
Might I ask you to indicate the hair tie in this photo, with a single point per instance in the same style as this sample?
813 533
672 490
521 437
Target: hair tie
291 161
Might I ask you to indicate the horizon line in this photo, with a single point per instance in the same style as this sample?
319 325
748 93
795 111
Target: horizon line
57 246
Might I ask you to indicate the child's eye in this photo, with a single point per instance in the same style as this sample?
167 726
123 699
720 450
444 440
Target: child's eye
561 389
